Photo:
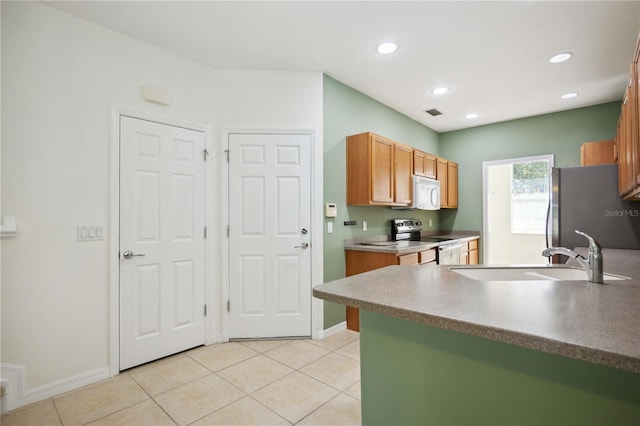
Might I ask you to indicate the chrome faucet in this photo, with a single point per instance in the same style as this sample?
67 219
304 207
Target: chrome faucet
592 264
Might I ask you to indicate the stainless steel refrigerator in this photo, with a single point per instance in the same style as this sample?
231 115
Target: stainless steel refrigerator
586 198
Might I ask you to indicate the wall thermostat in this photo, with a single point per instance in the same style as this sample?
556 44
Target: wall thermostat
330 210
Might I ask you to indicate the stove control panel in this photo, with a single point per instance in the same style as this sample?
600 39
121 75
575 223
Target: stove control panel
404 226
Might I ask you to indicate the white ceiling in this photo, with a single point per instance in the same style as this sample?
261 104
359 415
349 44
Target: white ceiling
492 55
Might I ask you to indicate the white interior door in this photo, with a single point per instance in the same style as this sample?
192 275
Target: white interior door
269 235
162 251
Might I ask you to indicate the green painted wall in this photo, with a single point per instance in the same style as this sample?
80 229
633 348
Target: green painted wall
348 112
560 133
414 374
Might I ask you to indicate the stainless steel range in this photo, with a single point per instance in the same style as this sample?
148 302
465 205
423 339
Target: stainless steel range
411 230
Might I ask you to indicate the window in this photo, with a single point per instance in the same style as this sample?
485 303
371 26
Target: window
529 197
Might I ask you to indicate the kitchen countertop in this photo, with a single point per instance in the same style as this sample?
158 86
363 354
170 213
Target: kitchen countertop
590 322
406 247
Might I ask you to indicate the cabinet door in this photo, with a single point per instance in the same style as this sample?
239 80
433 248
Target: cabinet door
430 166
626 130
382 152
600 152
424 164
452 185
635 121
419 163
628 135
403 169
621 143
473 257
441 175
357 262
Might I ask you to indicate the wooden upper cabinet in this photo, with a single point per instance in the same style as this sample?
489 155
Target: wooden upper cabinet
635 96
378 171
424 164
452 185
441 175
382 165
447 174
627 139
600 152
403 174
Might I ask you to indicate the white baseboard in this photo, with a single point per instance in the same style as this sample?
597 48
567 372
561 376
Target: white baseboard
14 378
323 334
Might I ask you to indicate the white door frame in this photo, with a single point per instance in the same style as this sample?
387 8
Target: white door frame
114 225
485 195
317 227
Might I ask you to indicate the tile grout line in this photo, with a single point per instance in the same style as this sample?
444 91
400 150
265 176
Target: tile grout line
329 350
55 406
153 399
322 405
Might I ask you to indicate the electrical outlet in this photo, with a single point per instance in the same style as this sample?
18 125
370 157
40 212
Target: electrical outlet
430 223
364 225
329 227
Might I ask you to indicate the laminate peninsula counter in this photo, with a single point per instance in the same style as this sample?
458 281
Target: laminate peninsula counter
440 348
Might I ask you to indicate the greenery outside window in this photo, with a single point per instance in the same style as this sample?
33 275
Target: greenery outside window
529 197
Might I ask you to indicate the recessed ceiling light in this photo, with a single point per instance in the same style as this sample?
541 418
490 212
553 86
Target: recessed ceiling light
387 48
471 115
439 90
560 57
569 95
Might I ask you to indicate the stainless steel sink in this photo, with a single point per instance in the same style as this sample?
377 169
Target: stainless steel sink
528 273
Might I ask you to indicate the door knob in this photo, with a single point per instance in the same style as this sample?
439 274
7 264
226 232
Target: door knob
302 246
129 254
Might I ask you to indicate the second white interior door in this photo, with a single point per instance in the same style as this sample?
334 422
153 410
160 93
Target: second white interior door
269 235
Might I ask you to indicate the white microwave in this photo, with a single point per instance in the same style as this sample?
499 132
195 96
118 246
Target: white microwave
426 193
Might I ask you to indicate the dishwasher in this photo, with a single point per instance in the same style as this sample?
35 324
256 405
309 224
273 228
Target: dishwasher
449 254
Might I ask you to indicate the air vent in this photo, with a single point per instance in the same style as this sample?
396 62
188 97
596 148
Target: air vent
433 112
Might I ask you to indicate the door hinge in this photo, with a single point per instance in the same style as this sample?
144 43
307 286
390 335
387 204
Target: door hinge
226 151
205 154
228 305
205 310
205 232
228 230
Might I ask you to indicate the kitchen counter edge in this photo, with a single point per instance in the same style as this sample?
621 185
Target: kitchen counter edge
567 347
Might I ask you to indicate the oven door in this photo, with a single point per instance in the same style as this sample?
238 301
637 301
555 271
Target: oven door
449 254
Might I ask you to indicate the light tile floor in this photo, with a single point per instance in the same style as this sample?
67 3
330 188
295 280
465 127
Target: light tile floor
266 382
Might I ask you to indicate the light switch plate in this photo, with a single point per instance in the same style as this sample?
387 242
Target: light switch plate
90 233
